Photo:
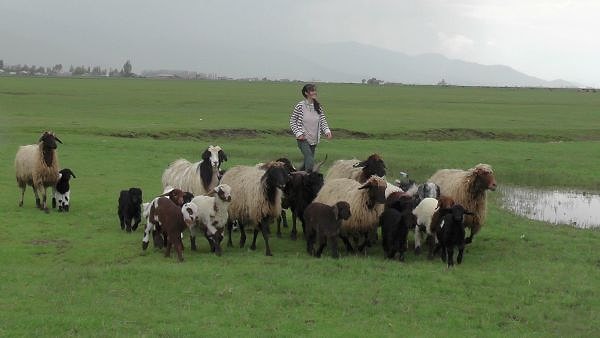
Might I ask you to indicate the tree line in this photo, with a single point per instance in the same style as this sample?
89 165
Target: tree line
57 69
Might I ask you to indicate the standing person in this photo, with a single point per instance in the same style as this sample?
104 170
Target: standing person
307 123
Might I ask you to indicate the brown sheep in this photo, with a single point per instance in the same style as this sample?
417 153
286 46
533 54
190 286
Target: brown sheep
173 220
323 224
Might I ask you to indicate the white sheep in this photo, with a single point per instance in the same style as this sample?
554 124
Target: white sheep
424 212
37 165
199 177
366 205
257 202
212 216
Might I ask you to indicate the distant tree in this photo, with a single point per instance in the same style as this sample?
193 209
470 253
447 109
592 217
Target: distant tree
127 69
442 83
57 68
374 81
1 64
71 69
364 81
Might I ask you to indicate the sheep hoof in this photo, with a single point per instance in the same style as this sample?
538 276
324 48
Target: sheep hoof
253 247
20 204
418 250
268 253
293 236
145 245
468 240
46 210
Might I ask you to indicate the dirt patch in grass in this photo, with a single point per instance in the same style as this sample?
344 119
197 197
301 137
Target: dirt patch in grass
446 134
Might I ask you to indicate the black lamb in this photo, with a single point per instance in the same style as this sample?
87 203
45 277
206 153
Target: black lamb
130 206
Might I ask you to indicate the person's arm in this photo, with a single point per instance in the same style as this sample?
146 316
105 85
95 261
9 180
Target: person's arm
296 122
324 125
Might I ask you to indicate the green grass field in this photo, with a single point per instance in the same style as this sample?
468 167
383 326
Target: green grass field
78 274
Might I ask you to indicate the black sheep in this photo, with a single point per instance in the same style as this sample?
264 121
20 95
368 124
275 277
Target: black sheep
451 233
396 220
130 205
323 224
62 191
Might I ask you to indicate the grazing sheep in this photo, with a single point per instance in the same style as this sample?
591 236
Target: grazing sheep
357 170
177 197
257 202
62 193
468 188
129 210
37 165
197 178
212 216
366 205
323 224
452 234
173 220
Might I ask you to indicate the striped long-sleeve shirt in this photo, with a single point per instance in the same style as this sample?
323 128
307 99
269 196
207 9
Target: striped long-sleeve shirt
298 117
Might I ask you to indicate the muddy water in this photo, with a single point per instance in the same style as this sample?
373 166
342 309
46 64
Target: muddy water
581 210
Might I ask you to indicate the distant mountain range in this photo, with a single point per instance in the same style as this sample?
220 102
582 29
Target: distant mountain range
353 62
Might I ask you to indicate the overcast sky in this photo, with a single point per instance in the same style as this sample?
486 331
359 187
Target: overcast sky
549 39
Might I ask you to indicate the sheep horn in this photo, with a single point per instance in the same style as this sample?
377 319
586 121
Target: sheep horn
317 166
59 141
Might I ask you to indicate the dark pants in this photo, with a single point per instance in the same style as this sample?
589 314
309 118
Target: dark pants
309 154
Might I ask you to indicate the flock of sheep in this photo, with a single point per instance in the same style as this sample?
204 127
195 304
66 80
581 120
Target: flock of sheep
349 203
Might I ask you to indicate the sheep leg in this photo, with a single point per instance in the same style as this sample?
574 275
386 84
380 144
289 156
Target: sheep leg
346 241
168 249
322 244
443 253
242 235
45 206
147 232
279 219
133 227
430 240
461 250
264 227
179 248
474 229
333 246
417 240
229 229
38 203
193 238
310 243
450 251
22 194
253 246
294 232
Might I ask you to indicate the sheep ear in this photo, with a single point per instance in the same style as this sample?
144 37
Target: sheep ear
57 139
212 192
206 155
72 173
335 212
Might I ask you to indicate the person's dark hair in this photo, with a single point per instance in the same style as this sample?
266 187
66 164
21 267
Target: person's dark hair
308 88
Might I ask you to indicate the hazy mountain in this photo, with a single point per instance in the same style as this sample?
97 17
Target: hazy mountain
352 62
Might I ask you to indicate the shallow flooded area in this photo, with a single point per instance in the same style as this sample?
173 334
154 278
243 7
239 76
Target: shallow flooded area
581 210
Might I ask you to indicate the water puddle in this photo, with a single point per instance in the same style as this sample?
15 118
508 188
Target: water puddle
581 210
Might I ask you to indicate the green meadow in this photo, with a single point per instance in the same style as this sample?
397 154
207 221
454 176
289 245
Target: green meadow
78 274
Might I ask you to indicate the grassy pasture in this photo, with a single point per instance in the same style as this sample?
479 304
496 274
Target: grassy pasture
78 274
